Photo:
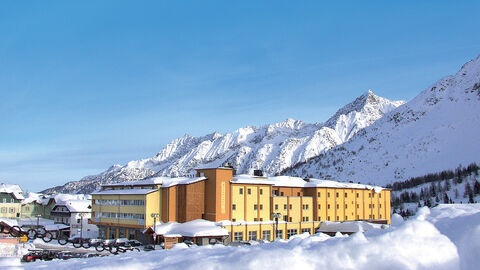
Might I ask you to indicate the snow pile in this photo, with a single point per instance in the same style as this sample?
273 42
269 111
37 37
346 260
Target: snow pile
194 228
33 197
445 237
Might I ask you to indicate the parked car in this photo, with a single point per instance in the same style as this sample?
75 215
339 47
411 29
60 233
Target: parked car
32 256
240 243
148 248
135 243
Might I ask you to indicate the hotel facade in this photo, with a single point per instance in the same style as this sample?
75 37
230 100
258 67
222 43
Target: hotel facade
242 204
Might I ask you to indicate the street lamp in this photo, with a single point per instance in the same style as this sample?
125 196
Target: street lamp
81 225
276 216
154 216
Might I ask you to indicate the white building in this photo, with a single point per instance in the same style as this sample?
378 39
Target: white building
76 214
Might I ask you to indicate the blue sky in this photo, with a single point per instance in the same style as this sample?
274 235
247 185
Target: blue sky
89 84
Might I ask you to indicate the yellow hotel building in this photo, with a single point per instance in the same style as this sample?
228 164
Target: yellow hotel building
243 204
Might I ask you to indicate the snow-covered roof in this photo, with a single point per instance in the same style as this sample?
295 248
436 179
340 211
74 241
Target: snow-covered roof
163 181
77 206
347 226
33 221
12 189
194 228
61 198
34 197
289 181
135 191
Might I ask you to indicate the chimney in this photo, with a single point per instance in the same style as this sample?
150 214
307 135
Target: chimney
257 173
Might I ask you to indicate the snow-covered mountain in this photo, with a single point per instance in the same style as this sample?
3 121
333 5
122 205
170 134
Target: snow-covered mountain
271 148
437 130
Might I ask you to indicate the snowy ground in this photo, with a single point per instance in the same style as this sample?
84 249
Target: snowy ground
445 237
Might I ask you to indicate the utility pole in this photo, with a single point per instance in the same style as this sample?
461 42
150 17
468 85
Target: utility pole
276 216
154 216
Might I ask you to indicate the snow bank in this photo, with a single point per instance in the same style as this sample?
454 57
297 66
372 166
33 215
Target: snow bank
415 244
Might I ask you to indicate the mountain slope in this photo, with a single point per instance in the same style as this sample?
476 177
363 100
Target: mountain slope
271 148
438 129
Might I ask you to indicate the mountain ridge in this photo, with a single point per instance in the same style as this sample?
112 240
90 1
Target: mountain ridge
270 148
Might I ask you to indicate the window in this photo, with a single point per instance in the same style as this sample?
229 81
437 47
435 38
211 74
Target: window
234 219
373 206
328 194
252 235
346 206
380 216
358 216
255 206
27 209
279 234
4 209
249 191
328 218
373 216
346 218
12 200
338 206
240 191
370 206
12 210
305 218
346 195
358 195
379 195
373 195
261 219
255 219
298 193
380 206
276 206
338 218
290 207
284 207
266 235
369 195
261 191
285 218
338 195
306 230
328 206
261 206
4 200
319 206
318 194
358 206
78 220
237 236
275 192
234 207
290 219
370 216
291 232
281 193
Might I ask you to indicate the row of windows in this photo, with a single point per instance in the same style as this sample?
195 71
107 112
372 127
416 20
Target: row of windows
11 200
120 202
266 235
249 191
119 215
10 210
370 195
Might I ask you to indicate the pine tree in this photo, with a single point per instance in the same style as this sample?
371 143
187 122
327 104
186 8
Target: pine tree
468 190
470 197
445 198
456 193
437 199
447 185
476 187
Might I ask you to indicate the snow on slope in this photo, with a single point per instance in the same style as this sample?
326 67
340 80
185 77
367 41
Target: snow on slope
437 130
271 148
444 237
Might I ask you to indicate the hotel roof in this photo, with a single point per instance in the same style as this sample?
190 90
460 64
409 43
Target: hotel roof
163 181
289 181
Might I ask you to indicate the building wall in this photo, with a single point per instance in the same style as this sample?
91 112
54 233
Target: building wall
9 206
217 193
